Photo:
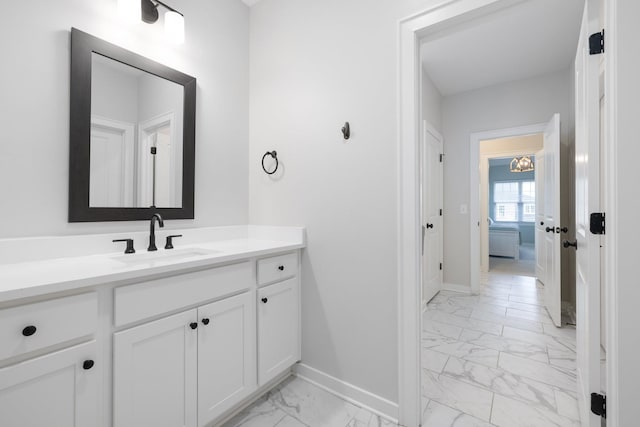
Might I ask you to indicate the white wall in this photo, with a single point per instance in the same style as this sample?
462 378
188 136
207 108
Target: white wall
431 101
35 107
314 65
512 104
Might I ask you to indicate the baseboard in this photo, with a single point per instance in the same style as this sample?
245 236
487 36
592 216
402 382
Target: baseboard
463 289
349 392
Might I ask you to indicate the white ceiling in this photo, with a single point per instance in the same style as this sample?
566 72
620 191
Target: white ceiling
250 2
525 40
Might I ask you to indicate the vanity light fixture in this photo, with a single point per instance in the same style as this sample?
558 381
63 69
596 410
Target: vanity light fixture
521 164
147 11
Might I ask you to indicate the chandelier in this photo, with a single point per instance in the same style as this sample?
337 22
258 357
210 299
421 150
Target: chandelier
521 164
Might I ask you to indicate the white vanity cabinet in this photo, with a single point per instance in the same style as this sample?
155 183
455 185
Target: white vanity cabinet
47 378
278 316
186 369
155 373
226 355
55 390
186 344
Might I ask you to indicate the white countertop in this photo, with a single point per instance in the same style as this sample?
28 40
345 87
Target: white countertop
38 277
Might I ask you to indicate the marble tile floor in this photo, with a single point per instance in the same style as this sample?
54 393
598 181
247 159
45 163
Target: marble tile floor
298 403
496 359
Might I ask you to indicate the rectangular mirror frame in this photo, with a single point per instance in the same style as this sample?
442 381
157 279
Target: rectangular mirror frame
82 47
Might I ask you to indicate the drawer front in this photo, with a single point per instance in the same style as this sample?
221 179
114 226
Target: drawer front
155 297
277 268
35 326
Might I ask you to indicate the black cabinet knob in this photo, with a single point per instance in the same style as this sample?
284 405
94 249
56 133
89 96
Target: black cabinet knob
564 229
541 222
281 267
205 321
29 330
550 229
193 325
567 244
87 364
265 300
429 225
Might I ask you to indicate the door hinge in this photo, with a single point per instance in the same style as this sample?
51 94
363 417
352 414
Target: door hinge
599 404
440 266
596 43
597 223
440 212
154 150
441 156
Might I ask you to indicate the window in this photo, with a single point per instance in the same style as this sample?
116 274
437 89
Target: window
514 201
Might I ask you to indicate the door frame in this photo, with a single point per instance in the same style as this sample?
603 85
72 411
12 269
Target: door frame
475 176
409 304
484 198
410 31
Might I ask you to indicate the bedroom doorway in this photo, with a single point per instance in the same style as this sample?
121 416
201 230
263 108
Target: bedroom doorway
509 203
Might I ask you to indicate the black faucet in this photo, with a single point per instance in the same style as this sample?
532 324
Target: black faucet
152 231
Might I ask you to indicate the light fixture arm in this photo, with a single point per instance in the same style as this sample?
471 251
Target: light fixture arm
150 10
158 2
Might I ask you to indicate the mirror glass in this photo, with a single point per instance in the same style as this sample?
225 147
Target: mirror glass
136 143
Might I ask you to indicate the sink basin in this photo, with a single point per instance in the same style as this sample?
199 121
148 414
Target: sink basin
161 255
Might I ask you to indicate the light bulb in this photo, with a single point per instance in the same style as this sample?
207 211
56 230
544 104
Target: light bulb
131 10
174 27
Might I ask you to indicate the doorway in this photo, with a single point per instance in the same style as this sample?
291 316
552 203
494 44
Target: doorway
435 20
510 185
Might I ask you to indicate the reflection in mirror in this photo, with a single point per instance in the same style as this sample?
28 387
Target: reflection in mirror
136 137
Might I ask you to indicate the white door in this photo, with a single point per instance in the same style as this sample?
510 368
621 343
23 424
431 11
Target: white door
154 373
553 290
226 355
587 163
431 193
278 335
539 227
55 390
111 163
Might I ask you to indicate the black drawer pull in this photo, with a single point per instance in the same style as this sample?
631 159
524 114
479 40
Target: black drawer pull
87 364
281 267
29 330
193 325
265 300
205 321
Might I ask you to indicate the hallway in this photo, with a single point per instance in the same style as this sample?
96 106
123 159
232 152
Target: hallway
495 359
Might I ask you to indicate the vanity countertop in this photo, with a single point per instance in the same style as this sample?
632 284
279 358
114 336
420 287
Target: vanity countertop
38 277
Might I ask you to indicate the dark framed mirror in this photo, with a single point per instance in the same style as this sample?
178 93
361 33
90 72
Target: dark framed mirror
132 135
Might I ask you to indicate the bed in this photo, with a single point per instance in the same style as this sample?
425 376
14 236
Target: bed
504 240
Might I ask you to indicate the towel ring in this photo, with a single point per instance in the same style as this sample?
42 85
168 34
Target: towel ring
273 155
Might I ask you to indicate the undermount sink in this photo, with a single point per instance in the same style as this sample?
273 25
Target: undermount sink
163 255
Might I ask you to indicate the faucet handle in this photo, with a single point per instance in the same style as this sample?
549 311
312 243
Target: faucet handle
130 249
169 244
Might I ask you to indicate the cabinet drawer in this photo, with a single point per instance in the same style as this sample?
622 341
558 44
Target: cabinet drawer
34 326
277 268
155 297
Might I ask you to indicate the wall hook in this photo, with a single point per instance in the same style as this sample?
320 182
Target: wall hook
346 130
273 155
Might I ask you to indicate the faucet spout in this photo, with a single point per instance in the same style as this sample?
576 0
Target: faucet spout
152 231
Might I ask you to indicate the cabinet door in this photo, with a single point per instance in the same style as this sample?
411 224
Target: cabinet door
278 329
55 390
226 355
154 369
